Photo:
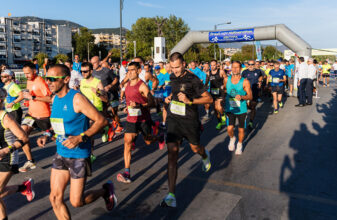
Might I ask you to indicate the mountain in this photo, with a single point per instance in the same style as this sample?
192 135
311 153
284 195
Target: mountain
70 24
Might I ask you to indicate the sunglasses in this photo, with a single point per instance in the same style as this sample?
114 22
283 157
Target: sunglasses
271 65
250 64
4 76
85 71
54 78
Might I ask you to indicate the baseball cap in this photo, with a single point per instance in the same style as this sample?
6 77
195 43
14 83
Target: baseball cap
157 67
124 62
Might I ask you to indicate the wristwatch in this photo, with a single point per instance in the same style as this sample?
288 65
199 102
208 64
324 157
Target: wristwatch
11 149
85 138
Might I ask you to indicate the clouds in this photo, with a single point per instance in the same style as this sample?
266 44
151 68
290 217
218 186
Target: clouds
149 5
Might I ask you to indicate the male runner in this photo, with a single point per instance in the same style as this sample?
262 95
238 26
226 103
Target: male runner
12 138
138 100
216 79
39 97
14 95
255 78
277 77
326 67
183 120
70 116
238 91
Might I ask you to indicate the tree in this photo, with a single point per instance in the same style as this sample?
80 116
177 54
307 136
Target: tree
270 52
60 58
145 29
115 55
81 41
40 58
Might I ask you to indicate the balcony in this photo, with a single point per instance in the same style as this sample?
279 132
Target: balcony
17 55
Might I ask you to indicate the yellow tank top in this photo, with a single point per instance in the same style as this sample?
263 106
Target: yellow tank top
86 90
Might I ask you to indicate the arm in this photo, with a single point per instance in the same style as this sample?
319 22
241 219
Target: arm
106 58
82 105
10 123
17 100
101 93
248 90
144 90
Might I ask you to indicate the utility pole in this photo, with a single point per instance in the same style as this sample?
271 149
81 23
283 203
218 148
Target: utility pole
120 29
134 49
88 51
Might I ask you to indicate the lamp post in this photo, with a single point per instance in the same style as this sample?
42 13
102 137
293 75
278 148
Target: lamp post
134 49
215 27
120 30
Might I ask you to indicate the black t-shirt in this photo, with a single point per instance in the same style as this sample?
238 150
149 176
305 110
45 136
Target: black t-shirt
107 76
216 81
252 76
193 88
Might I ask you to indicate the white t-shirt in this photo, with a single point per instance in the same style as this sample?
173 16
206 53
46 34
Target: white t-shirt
75 79
142 75
334 66
122 74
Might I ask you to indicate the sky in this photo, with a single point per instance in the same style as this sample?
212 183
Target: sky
312 20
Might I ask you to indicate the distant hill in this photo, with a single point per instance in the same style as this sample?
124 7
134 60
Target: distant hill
70 24
280 46
108 30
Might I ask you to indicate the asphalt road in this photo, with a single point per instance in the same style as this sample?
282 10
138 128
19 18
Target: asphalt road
287 171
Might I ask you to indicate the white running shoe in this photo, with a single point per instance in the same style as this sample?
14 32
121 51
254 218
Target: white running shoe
238 149
231 145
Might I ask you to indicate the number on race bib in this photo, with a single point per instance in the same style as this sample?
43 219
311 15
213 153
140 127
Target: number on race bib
178 108
58 126
134 111
234 103
28 121
276 80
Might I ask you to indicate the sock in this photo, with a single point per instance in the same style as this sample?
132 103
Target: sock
32 160
207 111
163 123
21 188
127 171
239 145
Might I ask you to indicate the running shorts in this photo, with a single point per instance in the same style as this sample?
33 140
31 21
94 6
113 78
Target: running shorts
40 123
179 129
231 119
277 89
78 167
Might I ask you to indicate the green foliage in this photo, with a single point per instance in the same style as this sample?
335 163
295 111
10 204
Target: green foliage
115 55
145 29
248 52
270 53
321 58
81 41
61 58
40 58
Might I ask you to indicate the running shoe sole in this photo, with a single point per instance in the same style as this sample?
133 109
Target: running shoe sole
111 202
122 179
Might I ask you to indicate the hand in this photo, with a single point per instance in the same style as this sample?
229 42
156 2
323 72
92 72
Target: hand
298 83
10 105
125 110
132 104
238 97
27 95
72 141
168 99
182 97
107 88
152 92
41 141
3 152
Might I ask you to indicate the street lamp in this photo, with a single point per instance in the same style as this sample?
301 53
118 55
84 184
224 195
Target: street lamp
215 27
134 49
120 29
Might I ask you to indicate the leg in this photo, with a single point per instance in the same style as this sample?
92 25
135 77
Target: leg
252 110
199 150
241 134
164 115
4 178
76 193
26 148
275 100
128 140
172 169
279 97
58 183
230 130
218 108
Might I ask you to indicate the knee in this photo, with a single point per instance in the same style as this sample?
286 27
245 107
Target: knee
55 200
76 203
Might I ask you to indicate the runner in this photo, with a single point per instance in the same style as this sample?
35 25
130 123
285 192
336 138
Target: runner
77 64
14 95
183 120
290 71
12 138
167 92
238 92
92 88
110 84
75 78
255 78
138 100
39 97
70 116
216 79
277 77
326 67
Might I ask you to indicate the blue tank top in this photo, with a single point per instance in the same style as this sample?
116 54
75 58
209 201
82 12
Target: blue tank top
66 122
232 105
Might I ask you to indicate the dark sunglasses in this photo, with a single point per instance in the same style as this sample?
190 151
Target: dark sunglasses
54 78
85 71
4 76
271 65
249 64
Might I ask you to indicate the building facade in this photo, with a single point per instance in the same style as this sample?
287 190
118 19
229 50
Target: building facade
110 40
20 42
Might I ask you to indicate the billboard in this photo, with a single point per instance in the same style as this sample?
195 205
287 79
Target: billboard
231 36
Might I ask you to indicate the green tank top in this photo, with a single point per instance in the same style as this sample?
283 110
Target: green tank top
86 90
233 105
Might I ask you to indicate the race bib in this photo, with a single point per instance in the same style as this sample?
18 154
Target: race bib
178 108
215 91
134 111
276 80
234 103
28 121
167 82
159 94
58 126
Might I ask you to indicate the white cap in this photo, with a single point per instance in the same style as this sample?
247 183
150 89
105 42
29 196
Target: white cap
227 60
311 59
8 72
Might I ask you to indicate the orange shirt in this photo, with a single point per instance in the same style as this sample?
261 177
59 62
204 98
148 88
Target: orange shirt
39 88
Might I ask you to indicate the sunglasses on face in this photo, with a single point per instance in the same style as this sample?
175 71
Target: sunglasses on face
271 65
251 64
54 78
85 71
4 76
